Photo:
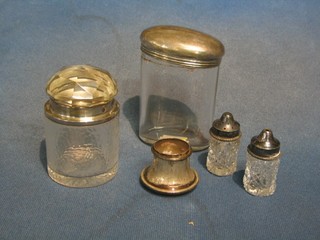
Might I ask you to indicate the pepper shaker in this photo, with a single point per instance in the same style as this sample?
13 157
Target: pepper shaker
263 159
224 145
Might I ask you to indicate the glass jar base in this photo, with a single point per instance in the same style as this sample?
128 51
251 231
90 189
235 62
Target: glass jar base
265 192
221 172
82 182
197 142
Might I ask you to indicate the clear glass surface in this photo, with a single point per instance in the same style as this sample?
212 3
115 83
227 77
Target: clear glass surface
176 101
260 176
222 157
82 156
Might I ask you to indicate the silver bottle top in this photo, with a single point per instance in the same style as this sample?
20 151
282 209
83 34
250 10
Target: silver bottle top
225 128
264 146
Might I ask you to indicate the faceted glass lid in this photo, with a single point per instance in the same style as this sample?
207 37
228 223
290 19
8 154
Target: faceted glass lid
81 86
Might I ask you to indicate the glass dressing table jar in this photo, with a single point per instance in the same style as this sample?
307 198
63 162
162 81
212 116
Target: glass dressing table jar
179 76
82 127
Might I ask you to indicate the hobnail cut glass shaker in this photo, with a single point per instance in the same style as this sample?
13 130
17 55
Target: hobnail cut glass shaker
82 126
179 77
224 146
263 160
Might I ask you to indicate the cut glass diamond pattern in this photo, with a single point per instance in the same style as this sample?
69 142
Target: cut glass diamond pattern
82 86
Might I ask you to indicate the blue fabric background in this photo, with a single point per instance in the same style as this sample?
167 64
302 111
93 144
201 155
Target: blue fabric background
269 77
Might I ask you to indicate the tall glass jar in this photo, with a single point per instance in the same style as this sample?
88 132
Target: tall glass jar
179 76
82 127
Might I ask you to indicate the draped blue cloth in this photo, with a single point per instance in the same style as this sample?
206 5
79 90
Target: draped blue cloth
269 78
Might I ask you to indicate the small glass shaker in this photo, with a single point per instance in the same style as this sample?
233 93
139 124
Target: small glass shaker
263 159
224 145
82 126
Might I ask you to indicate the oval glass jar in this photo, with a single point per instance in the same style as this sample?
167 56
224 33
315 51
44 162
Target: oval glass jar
82 127
179 76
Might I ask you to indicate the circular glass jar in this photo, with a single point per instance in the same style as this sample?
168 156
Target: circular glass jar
82 127
179 76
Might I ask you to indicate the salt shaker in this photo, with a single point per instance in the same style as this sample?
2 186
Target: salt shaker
224 145
82 126
263 159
